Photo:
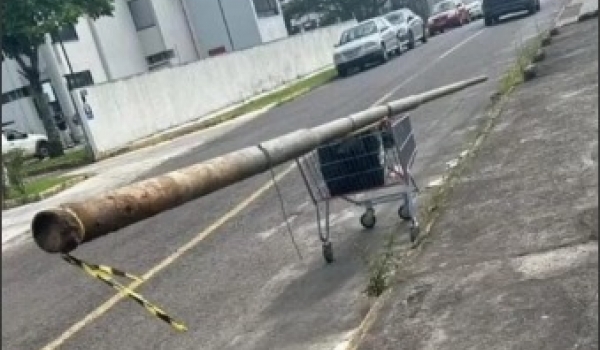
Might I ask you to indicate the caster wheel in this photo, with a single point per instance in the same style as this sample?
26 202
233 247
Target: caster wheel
403 213
328 252
368 219
414 234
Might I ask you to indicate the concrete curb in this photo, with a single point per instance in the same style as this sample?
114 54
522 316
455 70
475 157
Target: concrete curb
14 203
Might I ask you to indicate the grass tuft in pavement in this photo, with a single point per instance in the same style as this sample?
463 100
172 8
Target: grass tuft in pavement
69 160
516 75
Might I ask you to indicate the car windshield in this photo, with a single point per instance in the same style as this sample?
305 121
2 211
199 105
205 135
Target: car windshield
395 18
443 7
358 32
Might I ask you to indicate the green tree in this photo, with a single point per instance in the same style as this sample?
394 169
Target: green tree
25 26
342 9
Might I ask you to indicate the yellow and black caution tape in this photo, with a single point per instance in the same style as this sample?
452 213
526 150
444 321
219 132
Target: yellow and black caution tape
105 273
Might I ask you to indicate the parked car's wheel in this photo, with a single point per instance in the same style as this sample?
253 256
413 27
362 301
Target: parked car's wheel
42 150
489 21
384 54
538 6
411 40
424 36
398 50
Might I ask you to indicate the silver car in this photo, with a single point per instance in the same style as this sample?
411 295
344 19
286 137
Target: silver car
409 27
370 41
474 7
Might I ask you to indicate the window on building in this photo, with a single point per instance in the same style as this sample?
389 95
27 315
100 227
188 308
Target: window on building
79 80
217 51
142 14
265 8
161 57
12 135
15 94
66 33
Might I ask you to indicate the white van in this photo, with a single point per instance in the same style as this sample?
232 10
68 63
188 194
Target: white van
31 144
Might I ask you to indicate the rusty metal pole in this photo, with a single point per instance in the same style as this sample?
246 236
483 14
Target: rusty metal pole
62 229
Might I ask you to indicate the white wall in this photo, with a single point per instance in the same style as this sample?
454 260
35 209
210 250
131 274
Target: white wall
10 78
131 109
272 28
82 53
21 111
175 31
152 40
243 26
206 21
120 43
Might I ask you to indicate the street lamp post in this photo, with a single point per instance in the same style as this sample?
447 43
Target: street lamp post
69 88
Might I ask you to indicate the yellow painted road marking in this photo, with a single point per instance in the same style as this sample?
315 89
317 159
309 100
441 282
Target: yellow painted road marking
102 309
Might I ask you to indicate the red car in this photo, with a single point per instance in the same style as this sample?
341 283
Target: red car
447 14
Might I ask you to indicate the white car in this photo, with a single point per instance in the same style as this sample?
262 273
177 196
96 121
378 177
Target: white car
409 27
475 8
31 144
373 40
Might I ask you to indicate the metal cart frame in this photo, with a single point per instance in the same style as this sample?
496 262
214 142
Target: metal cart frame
397 154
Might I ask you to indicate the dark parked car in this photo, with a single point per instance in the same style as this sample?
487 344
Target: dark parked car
494 9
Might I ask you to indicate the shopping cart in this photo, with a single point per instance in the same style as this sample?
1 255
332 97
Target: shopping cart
367 168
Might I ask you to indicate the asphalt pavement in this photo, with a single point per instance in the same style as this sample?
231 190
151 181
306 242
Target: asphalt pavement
239 284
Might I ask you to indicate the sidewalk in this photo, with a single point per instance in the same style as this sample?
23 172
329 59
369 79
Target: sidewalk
512 261
575 10
112 173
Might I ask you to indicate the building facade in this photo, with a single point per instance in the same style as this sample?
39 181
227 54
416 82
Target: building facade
141 36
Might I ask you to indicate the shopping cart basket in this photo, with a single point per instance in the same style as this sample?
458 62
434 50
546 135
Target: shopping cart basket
367 168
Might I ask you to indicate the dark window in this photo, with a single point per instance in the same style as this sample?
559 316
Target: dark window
79 80
160 57
16 94
142 14
66 33
265 8
12 135
217 51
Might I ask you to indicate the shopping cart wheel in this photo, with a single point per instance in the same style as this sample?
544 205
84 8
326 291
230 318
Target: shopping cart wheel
414 233
368 219
328 252
403 213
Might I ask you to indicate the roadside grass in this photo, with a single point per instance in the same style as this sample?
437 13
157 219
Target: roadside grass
38 189
516 75
273 99
69 160
38 186
383 265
